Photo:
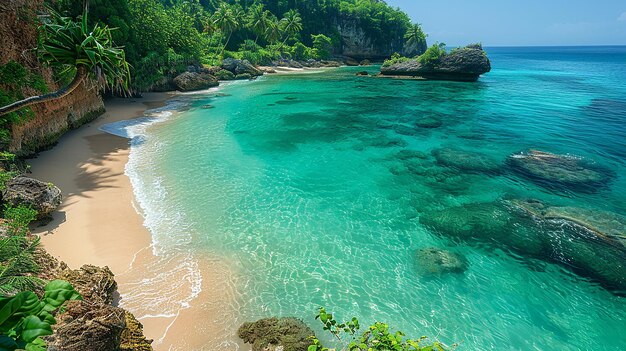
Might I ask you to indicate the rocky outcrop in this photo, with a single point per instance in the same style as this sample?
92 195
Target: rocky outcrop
84 326
52 119
464 64
433 260
94 284
42 197
560 171
190 81
238 67
277 334
532 230
132 338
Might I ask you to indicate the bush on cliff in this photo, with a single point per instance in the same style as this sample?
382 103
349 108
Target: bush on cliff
432 57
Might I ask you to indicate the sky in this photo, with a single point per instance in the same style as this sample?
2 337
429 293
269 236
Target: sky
520 22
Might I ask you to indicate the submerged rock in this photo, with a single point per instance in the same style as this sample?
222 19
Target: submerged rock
433 260
190 81
240 67
84 326
428 122
559 171
464 64
269 334
362 73
465 160
42 197
524 229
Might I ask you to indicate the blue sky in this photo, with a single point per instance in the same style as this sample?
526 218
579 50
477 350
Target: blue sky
520 22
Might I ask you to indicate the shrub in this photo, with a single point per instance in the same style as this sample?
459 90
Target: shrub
323 46
24 318
395 58
432 57
377 337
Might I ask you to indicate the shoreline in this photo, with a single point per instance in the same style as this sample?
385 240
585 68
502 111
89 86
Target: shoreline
98 223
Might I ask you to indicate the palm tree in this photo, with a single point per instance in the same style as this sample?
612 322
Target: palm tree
225 19
75 48
415 37
258 20
291 24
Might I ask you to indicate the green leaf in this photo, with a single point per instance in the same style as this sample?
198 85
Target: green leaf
33 327
7 344
312 348
37 345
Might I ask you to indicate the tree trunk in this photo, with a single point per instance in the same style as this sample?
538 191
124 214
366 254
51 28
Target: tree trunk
225 45
81 73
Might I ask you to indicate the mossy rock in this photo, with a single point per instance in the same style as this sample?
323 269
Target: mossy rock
433 260
288 334
223 74
466 161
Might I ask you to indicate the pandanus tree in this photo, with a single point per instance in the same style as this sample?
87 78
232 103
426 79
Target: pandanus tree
75 48
226 19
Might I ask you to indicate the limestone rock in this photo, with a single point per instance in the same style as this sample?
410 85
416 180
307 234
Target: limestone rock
274 334
132 338
351 62
190 81
365 63
559 171
84 326
223 74
241 67
95 284
42 197
464 64
433 260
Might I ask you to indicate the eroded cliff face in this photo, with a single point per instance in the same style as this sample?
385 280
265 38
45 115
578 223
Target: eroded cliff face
357 44
18 39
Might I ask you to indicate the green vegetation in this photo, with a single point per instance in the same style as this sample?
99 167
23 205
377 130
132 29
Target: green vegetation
78 50
24 318
377 337
432 57
162 37
395 58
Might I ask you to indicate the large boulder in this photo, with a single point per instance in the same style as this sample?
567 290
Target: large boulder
84 326
277 334
190 81
559 171
42 197
433 260
464 64
240 67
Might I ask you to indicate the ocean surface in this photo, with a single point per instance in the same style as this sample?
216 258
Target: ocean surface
304 184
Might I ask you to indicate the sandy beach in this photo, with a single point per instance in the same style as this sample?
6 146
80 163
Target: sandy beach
98 224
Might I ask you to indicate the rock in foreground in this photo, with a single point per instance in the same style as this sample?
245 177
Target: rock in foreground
42 197
274 334
464 64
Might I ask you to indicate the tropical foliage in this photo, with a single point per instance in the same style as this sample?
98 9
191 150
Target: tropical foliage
433 55
24 318
376 337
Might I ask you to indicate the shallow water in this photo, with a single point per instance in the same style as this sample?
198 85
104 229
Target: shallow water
298 181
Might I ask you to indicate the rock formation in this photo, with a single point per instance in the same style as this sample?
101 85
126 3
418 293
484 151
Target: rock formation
542 232
190 81
276 334
433 260
42 197
465 160
464 64
559 171
238 67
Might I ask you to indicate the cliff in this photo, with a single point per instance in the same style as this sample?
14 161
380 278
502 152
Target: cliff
356 43
18 40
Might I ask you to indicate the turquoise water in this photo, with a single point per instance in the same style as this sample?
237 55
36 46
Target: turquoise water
298 182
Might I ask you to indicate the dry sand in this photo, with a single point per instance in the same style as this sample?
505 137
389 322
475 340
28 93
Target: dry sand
97 224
